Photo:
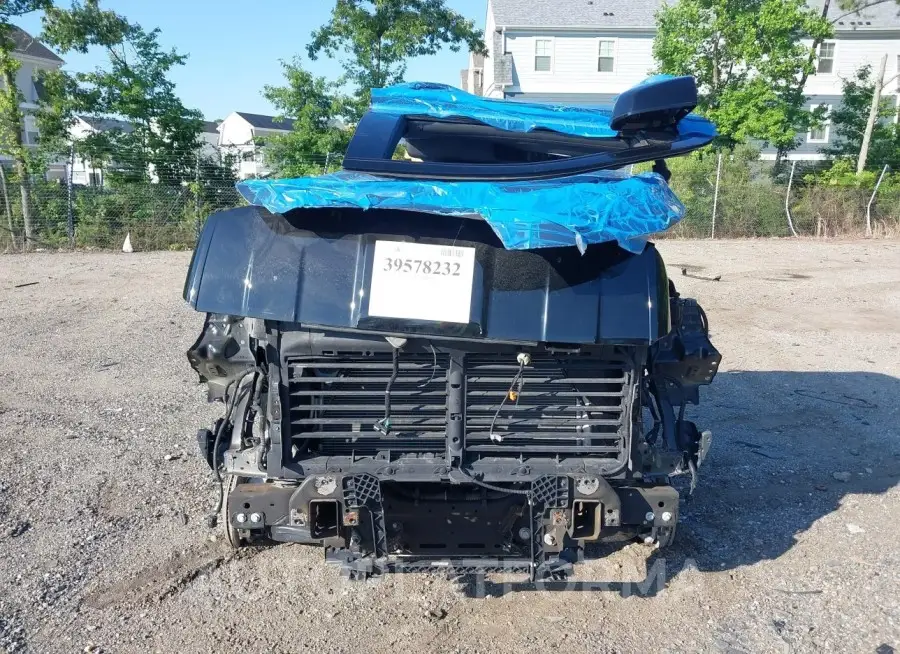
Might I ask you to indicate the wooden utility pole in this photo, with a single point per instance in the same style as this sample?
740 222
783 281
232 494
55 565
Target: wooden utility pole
873 117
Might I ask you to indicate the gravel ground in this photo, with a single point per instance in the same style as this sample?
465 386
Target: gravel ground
790 544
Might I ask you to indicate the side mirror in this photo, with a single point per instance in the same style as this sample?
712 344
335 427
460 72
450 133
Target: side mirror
657 104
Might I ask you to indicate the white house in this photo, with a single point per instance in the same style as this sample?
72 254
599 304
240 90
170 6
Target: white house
585 52
83 171
34 57
237 136
861 38
209 138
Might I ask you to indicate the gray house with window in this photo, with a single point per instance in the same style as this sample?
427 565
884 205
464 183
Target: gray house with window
588 51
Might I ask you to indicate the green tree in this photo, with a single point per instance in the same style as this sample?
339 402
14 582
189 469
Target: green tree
133 86
214 182
136 87
12 117
376 38
94 26
77 29
318 111
747 57
848 123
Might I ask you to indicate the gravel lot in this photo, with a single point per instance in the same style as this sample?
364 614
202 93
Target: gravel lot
790 544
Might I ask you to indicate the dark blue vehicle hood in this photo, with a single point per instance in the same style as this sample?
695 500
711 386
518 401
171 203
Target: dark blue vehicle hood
313 267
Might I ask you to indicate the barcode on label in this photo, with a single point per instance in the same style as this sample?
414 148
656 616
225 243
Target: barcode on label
456 253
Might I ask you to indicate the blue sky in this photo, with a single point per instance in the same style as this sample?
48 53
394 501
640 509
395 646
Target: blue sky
235 46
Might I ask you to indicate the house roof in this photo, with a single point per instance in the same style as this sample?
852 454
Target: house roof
266 122
107 124
575 13
211 126
28 45
548 14
883 16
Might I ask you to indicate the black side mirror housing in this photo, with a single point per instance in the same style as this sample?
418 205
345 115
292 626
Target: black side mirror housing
655 105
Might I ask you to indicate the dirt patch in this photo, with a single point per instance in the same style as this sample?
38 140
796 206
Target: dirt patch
787 545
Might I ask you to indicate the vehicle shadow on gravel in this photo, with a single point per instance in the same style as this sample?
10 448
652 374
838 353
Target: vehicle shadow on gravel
788 449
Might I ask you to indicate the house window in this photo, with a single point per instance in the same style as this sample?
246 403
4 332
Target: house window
826 58
821 132
606 59
543 55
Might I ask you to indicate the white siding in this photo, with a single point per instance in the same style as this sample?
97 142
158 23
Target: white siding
28 71
82 171
574 65
235 131
489 58
209 143
849 56
24 80
236 140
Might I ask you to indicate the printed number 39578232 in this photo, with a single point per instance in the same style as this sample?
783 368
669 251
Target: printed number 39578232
421 266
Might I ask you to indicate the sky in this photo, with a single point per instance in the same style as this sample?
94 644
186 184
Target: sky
235 46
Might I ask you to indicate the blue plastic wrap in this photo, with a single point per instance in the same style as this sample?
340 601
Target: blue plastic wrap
579 210
442 101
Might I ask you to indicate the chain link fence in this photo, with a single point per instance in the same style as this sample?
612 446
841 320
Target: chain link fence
730 197
163 205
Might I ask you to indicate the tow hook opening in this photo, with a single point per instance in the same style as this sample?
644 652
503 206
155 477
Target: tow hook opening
323 518
586 520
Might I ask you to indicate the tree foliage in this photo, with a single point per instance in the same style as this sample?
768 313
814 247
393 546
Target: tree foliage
134 86
376 38
848 123
83 26
77 29
747 57
11 115
318 110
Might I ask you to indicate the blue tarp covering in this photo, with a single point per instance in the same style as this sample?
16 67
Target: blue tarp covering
442 101
579 210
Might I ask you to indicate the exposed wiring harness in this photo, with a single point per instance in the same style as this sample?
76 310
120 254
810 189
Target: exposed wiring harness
704 321
512 394
231 402
434 367
383 426
653 405
501 489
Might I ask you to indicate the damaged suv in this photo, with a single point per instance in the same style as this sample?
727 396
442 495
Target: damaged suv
467 359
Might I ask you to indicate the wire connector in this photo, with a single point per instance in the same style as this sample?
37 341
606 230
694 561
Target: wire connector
383 426
512 394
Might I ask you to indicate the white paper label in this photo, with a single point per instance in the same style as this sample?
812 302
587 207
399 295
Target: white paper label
422 282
